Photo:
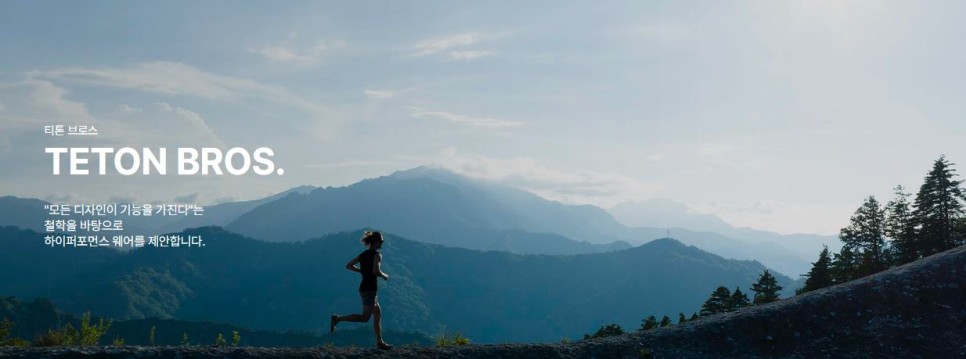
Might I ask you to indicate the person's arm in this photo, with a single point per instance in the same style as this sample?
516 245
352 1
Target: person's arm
352 265
377 267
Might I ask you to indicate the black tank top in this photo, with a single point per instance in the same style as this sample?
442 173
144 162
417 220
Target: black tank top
366 262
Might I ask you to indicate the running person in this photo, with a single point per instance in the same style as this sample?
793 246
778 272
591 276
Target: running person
369 266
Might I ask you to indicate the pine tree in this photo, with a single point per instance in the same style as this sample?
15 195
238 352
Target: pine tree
649 323
682 318
665 321
961 230
766 289
845 265
694 316
866 235
608 330
901 227
739 300
821 274
718 302
939 210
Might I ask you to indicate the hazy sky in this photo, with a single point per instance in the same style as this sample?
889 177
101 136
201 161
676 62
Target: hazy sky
772 114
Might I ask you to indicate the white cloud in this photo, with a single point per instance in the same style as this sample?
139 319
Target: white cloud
743 156
781 217
435 45
657 157
290 51
188 198
173 78
353 163
164 106
468 55
417 112
288 54
582 187
40 103
37 103
379 94
714 149
61 198
194 117
665 32
170 78
125 109
187 121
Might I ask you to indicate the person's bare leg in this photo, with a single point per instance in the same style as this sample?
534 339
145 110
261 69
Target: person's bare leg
357 318
377 323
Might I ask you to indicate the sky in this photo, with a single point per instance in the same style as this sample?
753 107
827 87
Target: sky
780 116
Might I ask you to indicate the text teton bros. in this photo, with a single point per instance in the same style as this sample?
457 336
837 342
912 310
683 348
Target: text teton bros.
129 161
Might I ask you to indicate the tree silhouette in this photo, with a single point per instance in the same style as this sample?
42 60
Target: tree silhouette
845 265
608 330
820 276
766 289
939 210
865 236
665 321
718 302
901 227
649 323
738 300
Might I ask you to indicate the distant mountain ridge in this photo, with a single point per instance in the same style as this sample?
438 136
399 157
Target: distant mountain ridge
438 206
665 213
25 213
459 212
224 213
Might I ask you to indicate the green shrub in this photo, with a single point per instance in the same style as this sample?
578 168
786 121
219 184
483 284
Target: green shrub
5 341
235 338
66 335
91 334
5 328
14 342
151 335
118 341
220 340
88 335
451 339
184 340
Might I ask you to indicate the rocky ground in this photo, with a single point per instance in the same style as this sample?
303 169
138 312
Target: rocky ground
916 310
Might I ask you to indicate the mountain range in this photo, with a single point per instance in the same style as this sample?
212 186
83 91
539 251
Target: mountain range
489 296
666 213
912 311
438 206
